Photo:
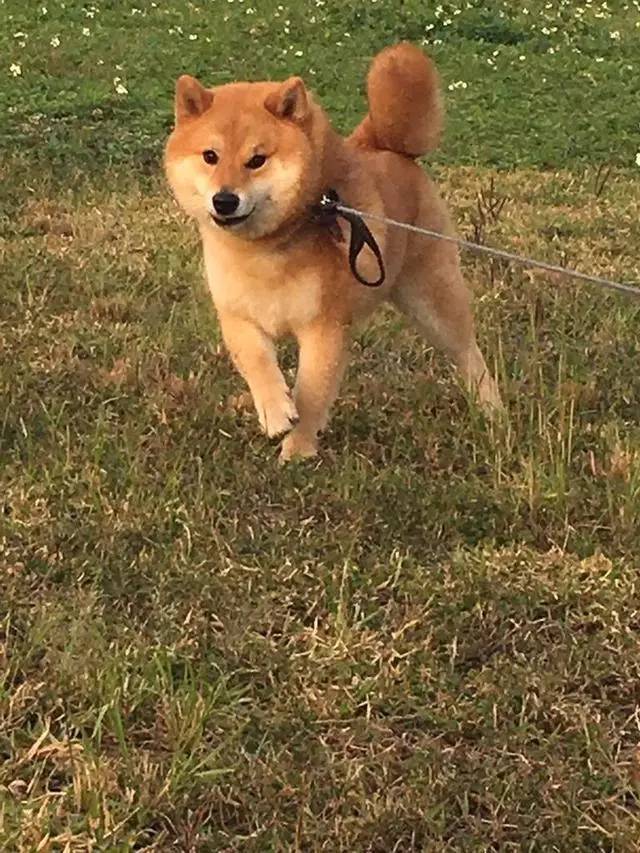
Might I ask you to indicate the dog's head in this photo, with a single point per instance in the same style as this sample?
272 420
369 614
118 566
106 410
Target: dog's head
243 157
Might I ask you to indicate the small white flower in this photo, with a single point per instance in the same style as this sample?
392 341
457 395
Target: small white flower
459 84
15 69
44 10
86 31
615 35
638 159
298 53
120 88
55 42
193 37
522 58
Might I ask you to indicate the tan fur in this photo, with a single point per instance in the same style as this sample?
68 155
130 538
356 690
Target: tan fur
405 104
277 273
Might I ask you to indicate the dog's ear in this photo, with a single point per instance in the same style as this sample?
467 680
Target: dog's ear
289 100
192 99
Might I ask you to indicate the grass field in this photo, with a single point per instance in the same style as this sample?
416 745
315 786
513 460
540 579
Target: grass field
429 638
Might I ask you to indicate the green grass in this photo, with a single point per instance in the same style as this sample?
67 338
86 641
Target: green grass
425 640
523 105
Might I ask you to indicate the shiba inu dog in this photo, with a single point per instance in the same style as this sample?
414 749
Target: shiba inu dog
249 161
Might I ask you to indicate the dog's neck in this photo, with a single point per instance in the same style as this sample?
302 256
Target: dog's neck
332 170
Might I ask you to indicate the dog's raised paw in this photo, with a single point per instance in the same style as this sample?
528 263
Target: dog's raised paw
277 415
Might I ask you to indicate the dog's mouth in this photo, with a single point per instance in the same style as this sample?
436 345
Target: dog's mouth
230 221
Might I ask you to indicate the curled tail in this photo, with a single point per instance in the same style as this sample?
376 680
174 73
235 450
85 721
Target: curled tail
405 106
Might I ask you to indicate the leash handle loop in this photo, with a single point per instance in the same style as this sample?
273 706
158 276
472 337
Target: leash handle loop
329 209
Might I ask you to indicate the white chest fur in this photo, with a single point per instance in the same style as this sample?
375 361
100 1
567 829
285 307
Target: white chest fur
266 289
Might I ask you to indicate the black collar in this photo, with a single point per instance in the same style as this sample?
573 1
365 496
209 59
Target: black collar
326 213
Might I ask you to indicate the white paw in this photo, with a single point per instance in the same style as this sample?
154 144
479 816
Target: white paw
489 395
277 414
296 445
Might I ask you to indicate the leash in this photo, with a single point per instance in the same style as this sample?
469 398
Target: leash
326 213
330 206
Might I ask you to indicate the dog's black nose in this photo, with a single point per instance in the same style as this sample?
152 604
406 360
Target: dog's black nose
225 203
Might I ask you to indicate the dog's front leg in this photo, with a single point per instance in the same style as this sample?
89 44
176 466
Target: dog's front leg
322 361
255 358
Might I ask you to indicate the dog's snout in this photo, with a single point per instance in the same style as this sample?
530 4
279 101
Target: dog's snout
225 203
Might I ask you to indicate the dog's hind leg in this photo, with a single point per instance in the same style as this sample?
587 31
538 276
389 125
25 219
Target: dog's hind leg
431 292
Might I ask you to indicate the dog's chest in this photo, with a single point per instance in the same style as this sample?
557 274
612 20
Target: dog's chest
268 292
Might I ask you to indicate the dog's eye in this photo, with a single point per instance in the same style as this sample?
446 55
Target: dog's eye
209 156
256 162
